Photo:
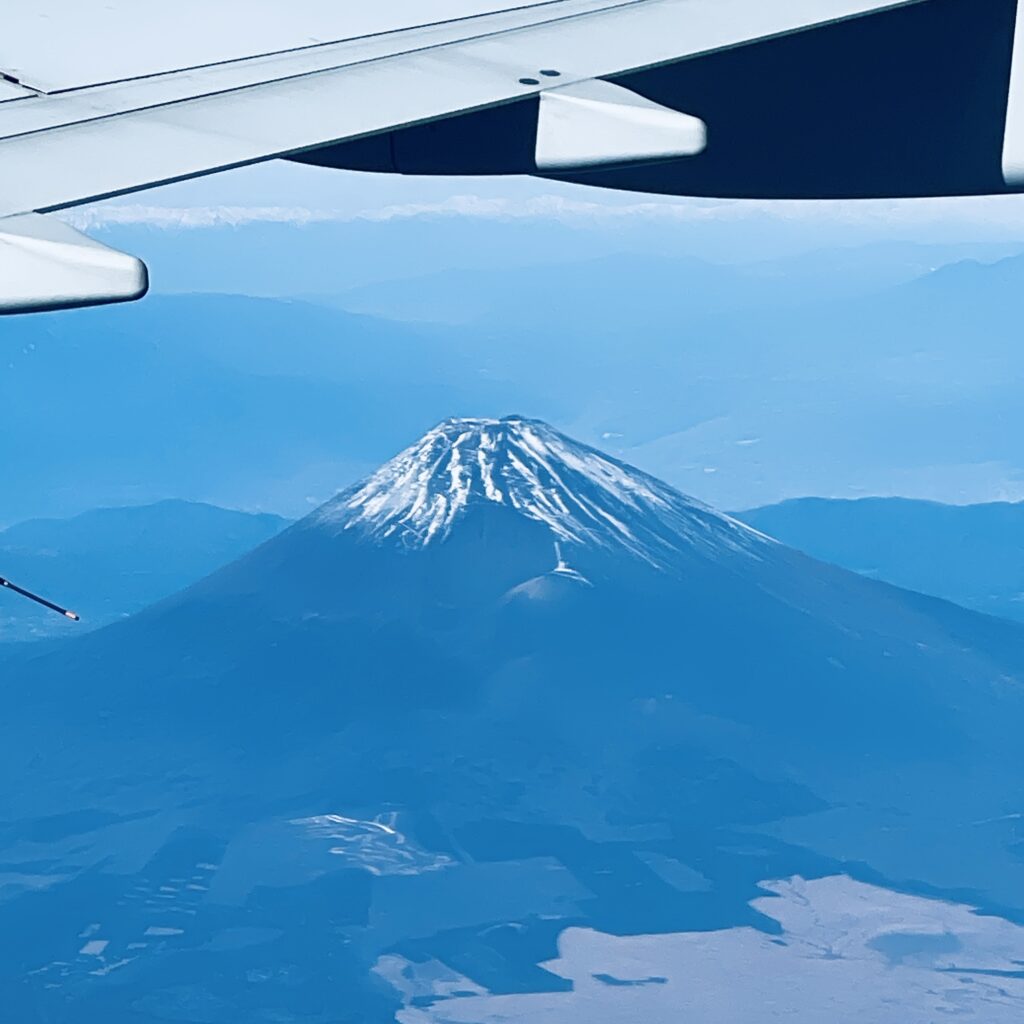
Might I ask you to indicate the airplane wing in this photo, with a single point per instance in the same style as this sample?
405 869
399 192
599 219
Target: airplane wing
100 99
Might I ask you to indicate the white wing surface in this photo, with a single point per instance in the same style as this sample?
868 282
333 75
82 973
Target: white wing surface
104 98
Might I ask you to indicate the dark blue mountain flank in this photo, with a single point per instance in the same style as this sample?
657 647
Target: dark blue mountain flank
111 562
512 731
971 554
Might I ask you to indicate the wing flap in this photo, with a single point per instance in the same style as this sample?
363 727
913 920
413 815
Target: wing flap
11 90
598 124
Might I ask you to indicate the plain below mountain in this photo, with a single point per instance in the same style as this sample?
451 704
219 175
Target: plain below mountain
502 701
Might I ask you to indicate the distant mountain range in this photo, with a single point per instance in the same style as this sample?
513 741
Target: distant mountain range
729 382
651 289
972 554
324 257
236 401
512 730
109 563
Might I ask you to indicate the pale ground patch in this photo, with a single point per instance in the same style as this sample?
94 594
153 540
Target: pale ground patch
848 953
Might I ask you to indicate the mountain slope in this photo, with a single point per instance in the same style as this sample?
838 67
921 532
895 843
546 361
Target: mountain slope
971 554
583 497
504 690
111 562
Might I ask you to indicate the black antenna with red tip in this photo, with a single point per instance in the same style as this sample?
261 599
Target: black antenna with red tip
8 585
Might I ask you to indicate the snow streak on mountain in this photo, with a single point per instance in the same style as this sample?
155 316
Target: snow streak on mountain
583 496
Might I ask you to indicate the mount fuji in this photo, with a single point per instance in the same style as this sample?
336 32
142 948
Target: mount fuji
584 498
501 732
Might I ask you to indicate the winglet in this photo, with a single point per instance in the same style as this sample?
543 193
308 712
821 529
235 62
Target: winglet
46 264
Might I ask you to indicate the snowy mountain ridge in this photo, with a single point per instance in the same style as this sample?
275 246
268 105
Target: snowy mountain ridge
584 497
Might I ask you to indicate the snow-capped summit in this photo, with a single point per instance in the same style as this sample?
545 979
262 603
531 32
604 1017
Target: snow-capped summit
583 496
